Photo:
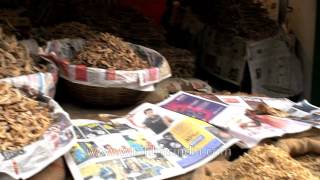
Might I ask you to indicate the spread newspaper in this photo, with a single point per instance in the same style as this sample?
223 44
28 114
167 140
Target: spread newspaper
150 143
234 115
180 134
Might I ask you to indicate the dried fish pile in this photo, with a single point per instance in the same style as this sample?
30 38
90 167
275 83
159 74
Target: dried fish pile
266 162
132 27
181 61
109 52
70 30
244 18
15 58
311 162
23 120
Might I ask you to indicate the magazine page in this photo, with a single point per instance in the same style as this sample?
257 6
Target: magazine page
115 151
302 111
287 124
312 113
150 143
212 112
251 131
234 101
238 117
188 142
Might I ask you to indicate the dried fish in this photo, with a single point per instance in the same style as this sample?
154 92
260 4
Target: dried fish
266 162
22 120
181 61
15 58
109 52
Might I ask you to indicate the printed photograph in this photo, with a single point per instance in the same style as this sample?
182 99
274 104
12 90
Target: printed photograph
113 128
143 167
108 170
78 133
138 142
151 119
92 130
169 142
194 107
230 100
115 145
305 106
84 151
133 168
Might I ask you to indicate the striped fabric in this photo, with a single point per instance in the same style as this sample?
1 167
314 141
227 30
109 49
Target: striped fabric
42 82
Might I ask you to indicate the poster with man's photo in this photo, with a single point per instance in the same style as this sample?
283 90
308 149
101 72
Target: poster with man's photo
151 119
184 138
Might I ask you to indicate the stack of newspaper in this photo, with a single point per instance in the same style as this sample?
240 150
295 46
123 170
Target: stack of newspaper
180 134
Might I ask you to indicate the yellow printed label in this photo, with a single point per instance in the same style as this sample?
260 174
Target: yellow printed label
191 134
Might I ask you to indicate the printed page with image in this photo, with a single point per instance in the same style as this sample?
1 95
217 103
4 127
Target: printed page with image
237 116
150 143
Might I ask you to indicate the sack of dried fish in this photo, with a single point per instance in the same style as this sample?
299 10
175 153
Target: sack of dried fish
34 131
19 68
265 162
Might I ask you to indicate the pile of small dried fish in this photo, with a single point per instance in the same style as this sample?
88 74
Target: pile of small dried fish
71 30
244 18
109 52
181 61
266 162
312 162
132 26
15 58
22 120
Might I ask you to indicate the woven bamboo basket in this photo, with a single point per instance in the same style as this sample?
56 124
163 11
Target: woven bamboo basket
101 96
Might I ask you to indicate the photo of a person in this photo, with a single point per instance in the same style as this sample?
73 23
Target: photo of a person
170 143
155 122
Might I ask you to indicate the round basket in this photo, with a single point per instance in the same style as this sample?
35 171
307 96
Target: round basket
105 87
101 96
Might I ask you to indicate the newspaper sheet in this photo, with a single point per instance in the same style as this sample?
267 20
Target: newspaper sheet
302 111
274 70
234 116
150 143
